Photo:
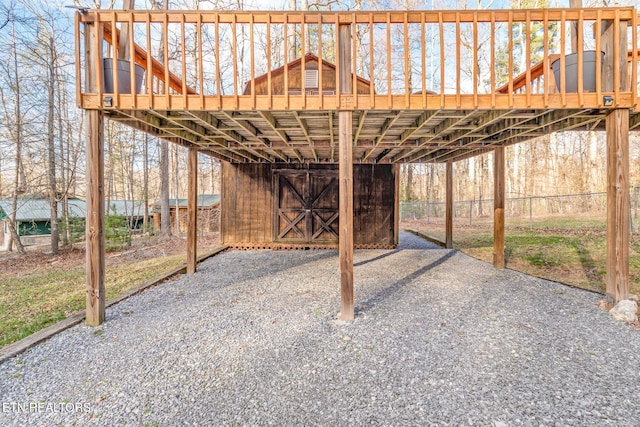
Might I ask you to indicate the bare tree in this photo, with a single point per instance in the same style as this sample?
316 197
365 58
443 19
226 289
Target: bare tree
165 220
14 123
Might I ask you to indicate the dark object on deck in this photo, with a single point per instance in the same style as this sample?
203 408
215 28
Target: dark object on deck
571 71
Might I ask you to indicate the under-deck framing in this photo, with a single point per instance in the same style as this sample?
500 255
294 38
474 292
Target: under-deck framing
201 91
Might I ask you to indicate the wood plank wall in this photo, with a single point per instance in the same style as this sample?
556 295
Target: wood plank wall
248 206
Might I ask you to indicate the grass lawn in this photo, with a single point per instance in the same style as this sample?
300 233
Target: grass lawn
561 249
38 290
35 301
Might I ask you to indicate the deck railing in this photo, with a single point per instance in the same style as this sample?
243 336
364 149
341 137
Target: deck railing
418 60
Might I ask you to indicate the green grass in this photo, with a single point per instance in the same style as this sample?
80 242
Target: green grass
29 303
562 249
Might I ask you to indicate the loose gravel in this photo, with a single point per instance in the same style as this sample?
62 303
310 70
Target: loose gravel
253 338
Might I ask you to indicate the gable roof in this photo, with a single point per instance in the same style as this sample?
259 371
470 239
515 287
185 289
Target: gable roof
309 57
38 209
204 201
125 207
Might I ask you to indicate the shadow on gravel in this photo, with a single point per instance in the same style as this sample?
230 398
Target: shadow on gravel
265 264
397 286
367 261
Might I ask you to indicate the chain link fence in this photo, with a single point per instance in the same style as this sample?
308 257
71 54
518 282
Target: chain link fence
521 209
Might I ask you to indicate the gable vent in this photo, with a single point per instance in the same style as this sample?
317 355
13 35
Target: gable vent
311 79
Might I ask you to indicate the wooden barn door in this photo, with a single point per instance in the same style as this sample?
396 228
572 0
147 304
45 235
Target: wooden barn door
306 206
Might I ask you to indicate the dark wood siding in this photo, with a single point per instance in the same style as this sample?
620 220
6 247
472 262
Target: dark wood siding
246 203
249 214
373 205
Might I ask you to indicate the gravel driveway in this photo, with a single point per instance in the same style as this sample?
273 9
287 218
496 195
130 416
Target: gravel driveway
252 339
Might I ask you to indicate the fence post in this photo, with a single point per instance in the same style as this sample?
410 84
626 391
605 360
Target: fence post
530 213
429 213
470 210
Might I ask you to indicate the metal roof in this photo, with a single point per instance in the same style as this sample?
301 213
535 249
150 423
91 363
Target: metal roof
204 201
125 207
38 209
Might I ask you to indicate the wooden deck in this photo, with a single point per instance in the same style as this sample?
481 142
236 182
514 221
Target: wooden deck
436 112
359 87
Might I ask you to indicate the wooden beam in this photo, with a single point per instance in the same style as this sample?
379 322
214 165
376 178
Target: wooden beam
95 243
381 134
498 208
396 203
614 76
96 295
617 278
361 119
273 124
192 211
615 79
346 178
448 241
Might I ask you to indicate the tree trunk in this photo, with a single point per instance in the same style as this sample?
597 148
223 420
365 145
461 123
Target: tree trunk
51 149
19 181
145 183
64 158
291 33
165 220
408 192
176 159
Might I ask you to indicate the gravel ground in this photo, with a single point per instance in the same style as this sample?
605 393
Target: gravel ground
252 339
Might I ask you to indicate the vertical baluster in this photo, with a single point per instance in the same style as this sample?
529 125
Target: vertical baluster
423 56
442 61
528 57
389 68
563 86
217 47
200 62
493 59
252 59
580 49
458 58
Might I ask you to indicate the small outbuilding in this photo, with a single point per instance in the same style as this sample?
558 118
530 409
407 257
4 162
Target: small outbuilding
289 204
33 219
208 213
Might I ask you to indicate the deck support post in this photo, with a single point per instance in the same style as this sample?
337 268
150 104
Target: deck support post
617 278
192 211
448 227
396 203
617 131
498 208
345 167
95 311
95 237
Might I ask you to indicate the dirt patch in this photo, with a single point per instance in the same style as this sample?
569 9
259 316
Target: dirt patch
141 248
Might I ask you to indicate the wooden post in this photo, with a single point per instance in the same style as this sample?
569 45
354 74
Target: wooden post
396 203
617 129
617 284
498 207
192 212
346 178
95 244
95 219
448 233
